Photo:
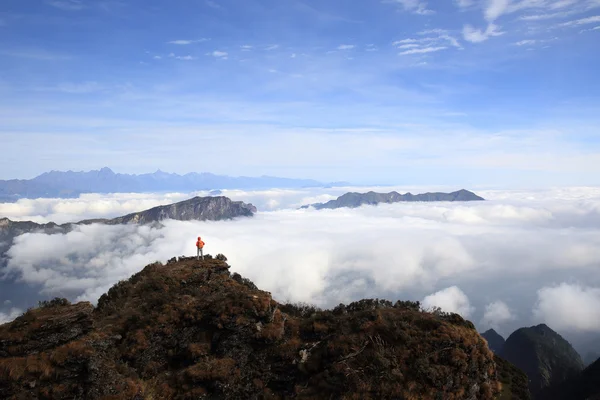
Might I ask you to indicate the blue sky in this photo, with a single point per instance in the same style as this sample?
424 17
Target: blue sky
498 92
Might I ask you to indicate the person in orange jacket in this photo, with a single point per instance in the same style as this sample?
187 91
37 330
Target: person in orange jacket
200 246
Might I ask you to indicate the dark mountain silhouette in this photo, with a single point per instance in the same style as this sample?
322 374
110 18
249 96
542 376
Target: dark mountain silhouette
190 329
72 184
583 386
543 355
353 200
197 208
591 358
495 341
515 384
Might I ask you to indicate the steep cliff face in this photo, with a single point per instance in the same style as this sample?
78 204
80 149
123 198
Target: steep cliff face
545 356
353 200
190 330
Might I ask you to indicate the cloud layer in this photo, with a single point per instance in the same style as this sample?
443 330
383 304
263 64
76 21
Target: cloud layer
519 259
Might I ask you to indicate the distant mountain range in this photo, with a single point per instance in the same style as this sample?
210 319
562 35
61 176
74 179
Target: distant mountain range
353 199
198 208
71 184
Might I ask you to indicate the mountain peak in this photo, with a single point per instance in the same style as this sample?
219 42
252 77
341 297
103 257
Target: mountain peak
495 340
545 356
192 329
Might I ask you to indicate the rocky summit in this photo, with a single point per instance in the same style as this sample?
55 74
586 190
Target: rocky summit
545 356
191 330
495 341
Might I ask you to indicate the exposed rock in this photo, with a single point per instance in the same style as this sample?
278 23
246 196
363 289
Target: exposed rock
196 209
216 336
353 200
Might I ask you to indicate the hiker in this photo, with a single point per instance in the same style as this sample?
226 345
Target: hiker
200 246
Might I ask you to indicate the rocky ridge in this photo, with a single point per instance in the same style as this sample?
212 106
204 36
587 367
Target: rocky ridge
191 329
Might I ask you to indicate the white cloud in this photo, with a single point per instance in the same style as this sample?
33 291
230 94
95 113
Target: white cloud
542 17
582 21
451 299
569 307
186 42
185 58
414 6
12 314
495 9
219 54
409 46
345 47
157 57
427 44
398 251
527 42
272 47
423 50
473 35
246 47
496 314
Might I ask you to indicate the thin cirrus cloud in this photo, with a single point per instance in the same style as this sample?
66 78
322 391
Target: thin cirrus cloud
422 50
345 47
582 21
473 35
182 42
427 44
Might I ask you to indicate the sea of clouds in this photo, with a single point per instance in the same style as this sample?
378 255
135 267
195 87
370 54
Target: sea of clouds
518 259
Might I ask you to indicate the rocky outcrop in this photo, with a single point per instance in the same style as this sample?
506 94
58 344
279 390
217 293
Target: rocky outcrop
495 341
543 355
196 209
353 200
190 330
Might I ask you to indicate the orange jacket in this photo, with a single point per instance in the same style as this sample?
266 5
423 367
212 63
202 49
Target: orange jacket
199 243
